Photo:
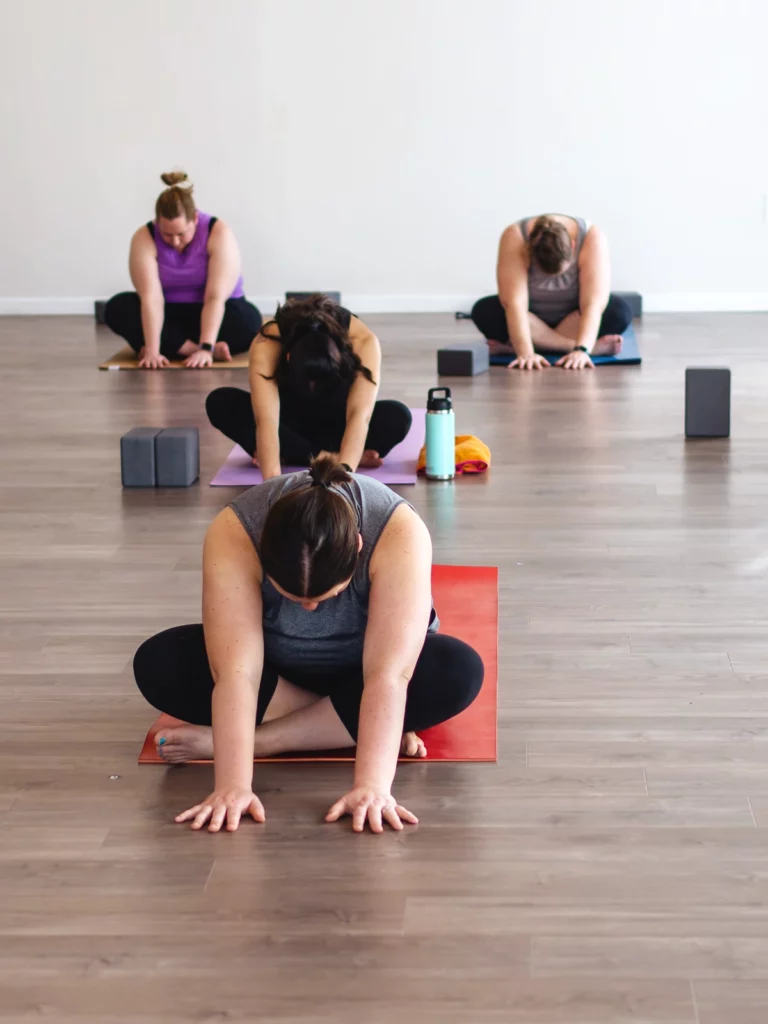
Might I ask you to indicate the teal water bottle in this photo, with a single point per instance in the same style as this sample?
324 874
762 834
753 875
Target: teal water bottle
441 434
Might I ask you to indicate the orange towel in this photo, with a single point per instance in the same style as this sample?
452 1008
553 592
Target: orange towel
472 456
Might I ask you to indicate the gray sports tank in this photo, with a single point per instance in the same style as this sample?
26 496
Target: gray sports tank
552 297
331 637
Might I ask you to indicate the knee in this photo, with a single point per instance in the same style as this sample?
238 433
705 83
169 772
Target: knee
216 403
146 669
620 313
461 673
120 307
486 311
398 416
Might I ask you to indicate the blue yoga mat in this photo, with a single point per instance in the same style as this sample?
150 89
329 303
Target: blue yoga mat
629 355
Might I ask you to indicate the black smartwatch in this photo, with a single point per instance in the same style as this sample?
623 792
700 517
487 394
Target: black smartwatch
206 346
581 348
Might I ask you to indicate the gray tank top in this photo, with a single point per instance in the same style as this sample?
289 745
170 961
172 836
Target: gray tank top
553 297
331 637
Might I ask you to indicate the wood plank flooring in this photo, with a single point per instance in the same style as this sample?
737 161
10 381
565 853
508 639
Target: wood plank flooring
612 868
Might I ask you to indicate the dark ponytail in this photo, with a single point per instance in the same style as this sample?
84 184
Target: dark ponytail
316 354
310 539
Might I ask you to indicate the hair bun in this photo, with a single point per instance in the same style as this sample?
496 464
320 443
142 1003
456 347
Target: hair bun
177 179
325 471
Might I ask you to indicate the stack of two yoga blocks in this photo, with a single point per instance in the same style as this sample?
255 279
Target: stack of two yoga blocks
156 457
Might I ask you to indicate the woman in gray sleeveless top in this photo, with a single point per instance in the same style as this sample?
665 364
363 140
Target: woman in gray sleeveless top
318 633
554 295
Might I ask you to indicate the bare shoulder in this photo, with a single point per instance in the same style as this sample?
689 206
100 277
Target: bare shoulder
226 539
362 339
511 239
265 349
595 242
142 241
221 237
404 538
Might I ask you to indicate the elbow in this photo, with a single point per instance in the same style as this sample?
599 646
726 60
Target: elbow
393 680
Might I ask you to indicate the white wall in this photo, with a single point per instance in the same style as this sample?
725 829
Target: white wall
379 146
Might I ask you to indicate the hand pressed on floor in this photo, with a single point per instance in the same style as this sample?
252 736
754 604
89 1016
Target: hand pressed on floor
222 805
371 806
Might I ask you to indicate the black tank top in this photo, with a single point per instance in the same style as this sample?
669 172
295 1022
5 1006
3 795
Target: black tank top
307 413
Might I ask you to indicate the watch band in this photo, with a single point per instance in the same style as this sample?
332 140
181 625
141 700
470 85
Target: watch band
206 346
581 348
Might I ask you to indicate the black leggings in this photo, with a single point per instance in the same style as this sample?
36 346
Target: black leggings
231 412
489 317
173 674
239 326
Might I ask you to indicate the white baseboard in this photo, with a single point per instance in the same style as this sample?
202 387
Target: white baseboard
45 306
663 302
706 302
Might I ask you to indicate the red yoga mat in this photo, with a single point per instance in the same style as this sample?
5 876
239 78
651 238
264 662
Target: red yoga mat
467 602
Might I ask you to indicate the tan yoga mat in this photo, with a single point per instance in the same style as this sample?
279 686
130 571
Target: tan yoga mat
126 359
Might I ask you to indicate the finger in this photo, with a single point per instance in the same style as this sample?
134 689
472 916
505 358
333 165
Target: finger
186 815
358 817
202 816
514 365
256 809
390 816
374 818
338 809
406 815
217 819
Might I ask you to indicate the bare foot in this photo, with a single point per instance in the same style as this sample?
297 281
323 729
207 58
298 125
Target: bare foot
412 745
371 459
608 345
500 348
221 352
185 743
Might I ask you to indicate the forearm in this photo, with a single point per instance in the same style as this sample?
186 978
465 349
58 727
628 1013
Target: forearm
268 446
353 442
589 323
152 316
380 731
210 320
233 709
519 329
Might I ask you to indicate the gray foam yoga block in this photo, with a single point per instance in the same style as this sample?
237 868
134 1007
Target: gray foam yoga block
177 453
635 300
466 359
707 402
335 296
137 457
98 311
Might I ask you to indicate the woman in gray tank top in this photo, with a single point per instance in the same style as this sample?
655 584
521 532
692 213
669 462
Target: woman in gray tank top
554 295
318 633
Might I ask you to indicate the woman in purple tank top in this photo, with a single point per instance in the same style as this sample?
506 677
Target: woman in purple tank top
189 302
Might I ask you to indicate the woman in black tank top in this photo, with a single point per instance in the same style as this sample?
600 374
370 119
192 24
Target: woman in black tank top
314 373
318 634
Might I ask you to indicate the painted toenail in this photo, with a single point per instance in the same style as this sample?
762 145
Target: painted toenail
162 741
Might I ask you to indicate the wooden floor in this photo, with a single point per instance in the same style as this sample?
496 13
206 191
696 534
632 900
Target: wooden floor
611 868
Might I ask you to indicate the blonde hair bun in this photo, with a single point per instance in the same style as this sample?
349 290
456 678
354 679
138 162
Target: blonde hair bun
176 179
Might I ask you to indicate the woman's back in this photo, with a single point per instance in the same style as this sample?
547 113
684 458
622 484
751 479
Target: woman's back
331 636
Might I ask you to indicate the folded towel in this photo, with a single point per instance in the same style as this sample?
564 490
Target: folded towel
472 455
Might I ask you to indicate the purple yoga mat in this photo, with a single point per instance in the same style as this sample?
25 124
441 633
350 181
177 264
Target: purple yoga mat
399 466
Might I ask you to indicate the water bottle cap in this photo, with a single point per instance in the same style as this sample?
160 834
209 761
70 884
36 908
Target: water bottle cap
441 403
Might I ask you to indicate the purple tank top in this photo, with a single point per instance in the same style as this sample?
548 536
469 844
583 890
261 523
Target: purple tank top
183 275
